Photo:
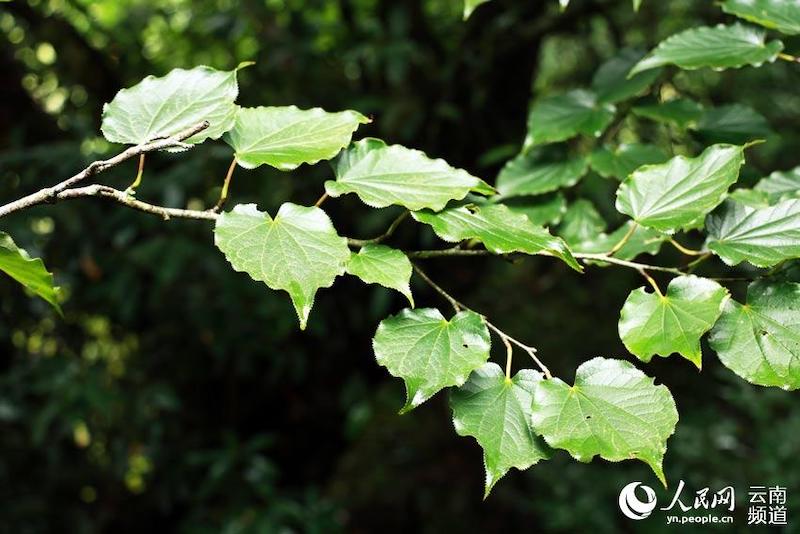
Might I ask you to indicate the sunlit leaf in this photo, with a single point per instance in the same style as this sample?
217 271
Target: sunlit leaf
613 410
496 411
719 47
679 193
298 251
761 236
429 352
161 107
286 137
760 341
30 272
379 264
652 324
383 175
498 228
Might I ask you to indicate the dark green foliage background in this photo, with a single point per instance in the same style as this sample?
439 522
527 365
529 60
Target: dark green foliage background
206 409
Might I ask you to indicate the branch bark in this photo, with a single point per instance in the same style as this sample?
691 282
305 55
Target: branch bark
122 197
51 194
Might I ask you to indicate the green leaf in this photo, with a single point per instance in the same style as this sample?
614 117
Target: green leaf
736 124
498 228
379 264
682 112
637 4
582 222
720 47
652 324
760 341
161 107
623 160
523 175
677 194
642 241
543 210
286 137
780 185
611 83
470 5
383 175
429 352
613 410
781 15
28 271
297 251
496 411
750 197
761 236
561 117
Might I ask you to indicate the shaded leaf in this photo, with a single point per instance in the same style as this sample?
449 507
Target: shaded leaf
429 352
556 118
30 272
496 411
611 82
652 324
613 410
780 185
642 241
719 47
681 112
760 341
161 107
542 210
781 15
677 194
379 264
736 124
582 222
523 175
498 228
383 175
761 236
620 162
298 251
286 137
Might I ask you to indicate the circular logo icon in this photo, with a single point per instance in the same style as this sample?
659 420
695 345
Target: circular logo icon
632 506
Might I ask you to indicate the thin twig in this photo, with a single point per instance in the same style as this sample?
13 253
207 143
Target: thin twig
49 194
386 235
138 180
458 306
223 196
455 251
789 57
622 241
103 191
321 199
625 263
684 250
651 281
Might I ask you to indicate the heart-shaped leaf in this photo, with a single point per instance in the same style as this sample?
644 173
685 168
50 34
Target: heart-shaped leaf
496 411
613 410
298 251
429 352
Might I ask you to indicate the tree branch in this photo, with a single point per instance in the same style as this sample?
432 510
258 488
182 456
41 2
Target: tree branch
507 340
104 191
51 193
386 235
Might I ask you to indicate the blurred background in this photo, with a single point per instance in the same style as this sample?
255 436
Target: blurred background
180 396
